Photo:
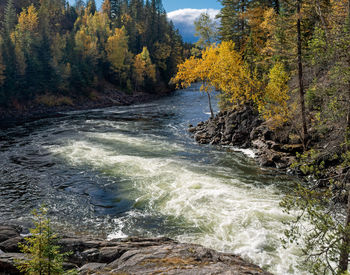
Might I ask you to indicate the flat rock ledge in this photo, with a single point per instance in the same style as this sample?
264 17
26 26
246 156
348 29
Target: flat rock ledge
243 128
132 255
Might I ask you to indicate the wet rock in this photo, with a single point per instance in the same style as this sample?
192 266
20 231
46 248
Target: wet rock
244 128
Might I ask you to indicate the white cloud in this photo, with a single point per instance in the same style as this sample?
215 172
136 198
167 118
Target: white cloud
189 15
183 19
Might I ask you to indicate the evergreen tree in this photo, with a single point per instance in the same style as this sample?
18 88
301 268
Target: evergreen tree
9 51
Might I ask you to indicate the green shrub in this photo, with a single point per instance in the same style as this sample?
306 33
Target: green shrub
44 256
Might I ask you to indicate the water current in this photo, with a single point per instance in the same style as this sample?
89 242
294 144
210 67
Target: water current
135 170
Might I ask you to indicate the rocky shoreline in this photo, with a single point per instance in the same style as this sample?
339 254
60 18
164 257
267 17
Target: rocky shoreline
243 128
132 255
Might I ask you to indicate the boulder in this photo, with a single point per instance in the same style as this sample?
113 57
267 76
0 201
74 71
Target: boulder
8 232
11 245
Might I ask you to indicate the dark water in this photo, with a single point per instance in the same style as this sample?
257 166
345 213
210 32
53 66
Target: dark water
136 171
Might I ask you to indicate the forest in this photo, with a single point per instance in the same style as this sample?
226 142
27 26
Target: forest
50 49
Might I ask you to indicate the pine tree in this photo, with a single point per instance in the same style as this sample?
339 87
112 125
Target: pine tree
9 50
233 26
44 255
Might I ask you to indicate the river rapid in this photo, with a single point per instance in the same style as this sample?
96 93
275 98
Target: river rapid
135 170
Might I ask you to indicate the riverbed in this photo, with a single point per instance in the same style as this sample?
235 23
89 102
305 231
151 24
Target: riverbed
135 170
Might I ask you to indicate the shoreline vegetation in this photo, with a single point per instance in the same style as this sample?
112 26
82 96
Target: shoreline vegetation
50 105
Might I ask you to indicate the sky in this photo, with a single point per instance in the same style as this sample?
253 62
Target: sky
184 12
172 5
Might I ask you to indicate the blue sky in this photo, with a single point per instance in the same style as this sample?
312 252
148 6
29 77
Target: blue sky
171 5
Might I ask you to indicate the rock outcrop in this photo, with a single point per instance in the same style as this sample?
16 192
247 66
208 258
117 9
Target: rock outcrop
243 128
134 256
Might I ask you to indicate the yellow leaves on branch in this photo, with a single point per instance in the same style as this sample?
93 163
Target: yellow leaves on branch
223 68
220 67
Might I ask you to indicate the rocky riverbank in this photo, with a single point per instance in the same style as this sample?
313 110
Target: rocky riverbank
243 128
130 256
33 110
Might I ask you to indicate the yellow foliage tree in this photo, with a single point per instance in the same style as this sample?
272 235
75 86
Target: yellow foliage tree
232 76
92 35
274 103
24 36
117 49
222 67
143 68
28 20
86 44
199 70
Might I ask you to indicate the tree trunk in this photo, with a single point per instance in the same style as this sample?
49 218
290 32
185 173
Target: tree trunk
300 75
344 252
210 107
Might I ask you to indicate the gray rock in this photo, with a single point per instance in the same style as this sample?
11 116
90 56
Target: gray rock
8 233
11 245
135 255
90 268
180 259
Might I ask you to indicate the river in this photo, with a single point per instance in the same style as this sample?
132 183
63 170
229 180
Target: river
135 170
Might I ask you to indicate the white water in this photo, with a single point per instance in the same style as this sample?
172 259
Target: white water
230 214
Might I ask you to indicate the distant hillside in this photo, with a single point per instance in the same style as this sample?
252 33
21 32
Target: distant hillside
183 20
